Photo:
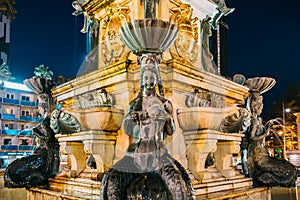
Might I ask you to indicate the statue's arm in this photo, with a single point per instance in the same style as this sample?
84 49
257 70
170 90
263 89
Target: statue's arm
169 127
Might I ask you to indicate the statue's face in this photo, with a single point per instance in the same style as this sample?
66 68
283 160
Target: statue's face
257 104
149 79
43 104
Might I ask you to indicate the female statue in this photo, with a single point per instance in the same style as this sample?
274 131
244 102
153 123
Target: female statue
264 169
148 171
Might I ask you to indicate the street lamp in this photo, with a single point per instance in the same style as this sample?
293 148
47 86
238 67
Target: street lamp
284 110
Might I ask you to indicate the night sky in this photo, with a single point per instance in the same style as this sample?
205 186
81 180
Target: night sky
264 39
46 33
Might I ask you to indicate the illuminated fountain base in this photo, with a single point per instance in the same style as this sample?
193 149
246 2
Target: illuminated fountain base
83 189
220 181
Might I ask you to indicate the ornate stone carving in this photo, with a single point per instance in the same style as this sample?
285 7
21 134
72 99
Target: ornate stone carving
186 46
93 99
112 48
207 57
202 98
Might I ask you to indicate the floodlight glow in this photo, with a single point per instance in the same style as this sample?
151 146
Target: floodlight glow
287 110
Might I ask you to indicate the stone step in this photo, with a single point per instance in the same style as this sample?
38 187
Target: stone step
78 187
239 194
218 186
217 189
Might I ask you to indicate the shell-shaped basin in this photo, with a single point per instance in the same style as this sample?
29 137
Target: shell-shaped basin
100 118
260 84
39 85
148 35
199 118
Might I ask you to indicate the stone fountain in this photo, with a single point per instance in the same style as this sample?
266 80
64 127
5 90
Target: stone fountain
184 123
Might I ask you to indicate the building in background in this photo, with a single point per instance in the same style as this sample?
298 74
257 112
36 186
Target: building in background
7 13
18 115
219 46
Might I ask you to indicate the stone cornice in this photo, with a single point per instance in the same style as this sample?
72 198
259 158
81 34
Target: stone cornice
208 81
94 6
90 78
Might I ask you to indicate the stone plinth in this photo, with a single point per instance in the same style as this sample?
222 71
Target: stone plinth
79 146
202 142
227 145
198 145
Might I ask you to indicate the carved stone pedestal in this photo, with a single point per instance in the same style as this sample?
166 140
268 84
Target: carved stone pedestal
198 145
228 144
79 146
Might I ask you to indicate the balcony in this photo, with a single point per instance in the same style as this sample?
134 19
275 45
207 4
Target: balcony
25 147
11 101
8 117
28 103
38 119
25 133
10 132
9 147
27 118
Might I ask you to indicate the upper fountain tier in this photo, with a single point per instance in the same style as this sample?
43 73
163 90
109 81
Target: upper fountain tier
148 35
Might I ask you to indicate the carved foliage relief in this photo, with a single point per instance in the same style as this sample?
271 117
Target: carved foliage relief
185 46
112 48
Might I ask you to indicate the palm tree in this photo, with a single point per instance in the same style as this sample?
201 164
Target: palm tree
42 72
5 74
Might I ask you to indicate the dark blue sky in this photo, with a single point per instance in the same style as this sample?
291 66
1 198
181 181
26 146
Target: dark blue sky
46 32
264 40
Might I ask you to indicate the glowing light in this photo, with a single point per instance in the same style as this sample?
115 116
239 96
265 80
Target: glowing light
287 110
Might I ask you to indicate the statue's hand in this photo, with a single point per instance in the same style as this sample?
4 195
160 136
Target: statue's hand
134 116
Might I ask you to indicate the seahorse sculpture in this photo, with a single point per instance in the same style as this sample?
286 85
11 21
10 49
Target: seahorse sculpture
34 170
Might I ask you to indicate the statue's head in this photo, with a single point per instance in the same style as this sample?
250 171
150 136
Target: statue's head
256 104
44 104
149 77
149 71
